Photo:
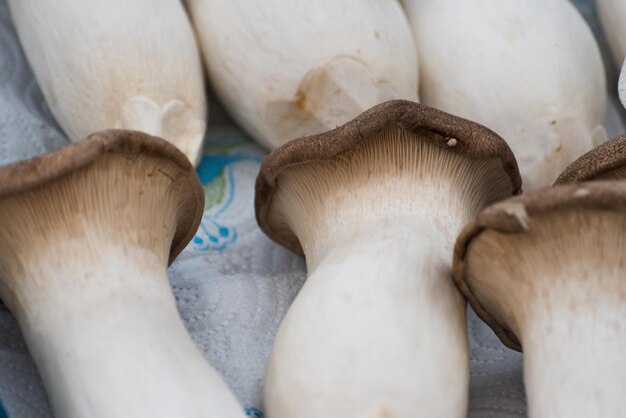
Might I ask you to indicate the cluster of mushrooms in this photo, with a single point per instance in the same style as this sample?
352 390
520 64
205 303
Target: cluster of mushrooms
403 211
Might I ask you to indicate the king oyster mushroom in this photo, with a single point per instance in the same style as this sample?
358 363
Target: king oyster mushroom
86 234
307 66
530 70
546 272
607 161
116 64
378 330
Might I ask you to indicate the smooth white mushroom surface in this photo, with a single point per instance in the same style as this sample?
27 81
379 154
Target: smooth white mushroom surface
530 70
378 329
560 288
613 18
285 69
116 64
83 262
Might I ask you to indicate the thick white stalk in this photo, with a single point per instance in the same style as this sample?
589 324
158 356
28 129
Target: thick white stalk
378 330
107 339
571 345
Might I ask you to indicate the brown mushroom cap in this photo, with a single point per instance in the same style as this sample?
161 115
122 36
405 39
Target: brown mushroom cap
597 163
470 140
512 216
38 171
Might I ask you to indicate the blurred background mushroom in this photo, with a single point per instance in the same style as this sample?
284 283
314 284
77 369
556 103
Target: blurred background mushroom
531 71
113 64
314 65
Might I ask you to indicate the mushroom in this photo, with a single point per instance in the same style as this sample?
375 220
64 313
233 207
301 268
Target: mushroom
378 330
530 70
308 66
113 64
86 234
607 161
546 272
612 15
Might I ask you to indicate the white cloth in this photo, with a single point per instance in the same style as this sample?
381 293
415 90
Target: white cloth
232 284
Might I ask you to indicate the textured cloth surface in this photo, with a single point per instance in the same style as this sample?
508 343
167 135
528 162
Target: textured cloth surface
232 284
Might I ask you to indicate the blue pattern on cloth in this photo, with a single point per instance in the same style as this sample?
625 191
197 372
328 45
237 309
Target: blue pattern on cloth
215 171
254 413
3 413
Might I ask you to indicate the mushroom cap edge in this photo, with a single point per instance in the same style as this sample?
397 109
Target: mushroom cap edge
605 157
37 171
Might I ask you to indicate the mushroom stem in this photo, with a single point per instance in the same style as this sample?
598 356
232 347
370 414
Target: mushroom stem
384 278
570 350
481 65
329 96
314 66
108 64
105 333
612 14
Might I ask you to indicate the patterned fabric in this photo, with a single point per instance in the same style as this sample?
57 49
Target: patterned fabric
232 284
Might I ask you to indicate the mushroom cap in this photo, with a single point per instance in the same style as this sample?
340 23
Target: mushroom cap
471 140
38 171
511 216
604 158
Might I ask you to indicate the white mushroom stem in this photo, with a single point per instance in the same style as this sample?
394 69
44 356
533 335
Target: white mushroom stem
612 16
378 330
530 70
83 261
116 64
105 334
573 356
308 66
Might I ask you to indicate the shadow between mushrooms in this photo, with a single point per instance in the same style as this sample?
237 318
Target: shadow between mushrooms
375 205
86 234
